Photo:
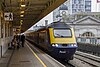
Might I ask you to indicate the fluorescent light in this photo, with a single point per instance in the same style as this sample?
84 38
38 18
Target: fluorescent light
21 15
22 11
22 0
23 5
21 20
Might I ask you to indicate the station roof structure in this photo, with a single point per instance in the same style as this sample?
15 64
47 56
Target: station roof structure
29 12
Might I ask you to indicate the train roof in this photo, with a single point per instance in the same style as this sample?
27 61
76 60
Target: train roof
53 25
58 25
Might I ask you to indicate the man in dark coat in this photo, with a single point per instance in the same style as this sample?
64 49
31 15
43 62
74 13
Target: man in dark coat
22 39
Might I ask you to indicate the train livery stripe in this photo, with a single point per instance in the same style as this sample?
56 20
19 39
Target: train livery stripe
37 57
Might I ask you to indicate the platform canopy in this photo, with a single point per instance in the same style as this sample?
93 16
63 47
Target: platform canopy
29 12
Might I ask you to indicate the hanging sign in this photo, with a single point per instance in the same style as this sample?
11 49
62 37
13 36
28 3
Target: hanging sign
8 16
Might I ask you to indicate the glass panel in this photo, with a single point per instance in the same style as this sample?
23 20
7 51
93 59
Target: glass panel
62 33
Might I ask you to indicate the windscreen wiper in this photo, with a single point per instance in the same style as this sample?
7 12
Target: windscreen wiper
59 35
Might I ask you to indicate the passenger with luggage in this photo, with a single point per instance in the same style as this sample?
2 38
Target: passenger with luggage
18 41
15 42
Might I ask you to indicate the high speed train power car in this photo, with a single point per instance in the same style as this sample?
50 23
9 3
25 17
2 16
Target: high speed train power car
57 38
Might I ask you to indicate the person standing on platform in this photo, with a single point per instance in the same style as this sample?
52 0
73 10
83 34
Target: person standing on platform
18 41
14 42
22 39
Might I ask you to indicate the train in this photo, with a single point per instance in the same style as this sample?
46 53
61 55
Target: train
57 38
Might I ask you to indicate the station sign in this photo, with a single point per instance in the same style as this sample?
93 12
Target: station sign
8 16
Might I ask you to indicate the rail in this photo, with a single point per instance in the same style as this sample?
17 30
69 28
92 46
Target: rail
88 58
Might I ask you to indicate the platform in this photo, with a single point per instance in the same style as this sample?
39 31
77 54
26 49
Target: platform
27 57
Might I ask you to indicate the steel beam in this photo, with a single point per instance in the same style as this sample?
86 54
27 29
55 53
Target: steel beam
50 8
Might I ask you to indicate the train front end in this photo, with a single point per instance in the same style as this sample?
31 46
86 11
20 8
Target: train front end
63 42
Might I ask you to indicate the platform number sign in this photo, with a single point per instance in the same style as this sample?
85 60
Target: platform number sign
8 16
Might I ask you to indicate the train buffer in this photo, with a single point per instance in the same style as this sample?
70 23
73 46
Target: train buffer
27 57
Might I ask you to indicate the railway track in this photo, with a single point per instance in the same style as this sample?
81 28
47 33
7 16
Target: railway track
92 60
67 64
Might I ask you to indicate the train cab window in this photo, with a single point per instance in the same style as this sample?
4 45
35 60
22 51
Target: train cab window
62 33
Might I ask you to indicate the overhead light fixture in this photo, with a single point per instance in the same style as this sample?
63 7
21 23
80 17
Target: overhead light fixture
21 15
22 11
23 5
22 0
21 20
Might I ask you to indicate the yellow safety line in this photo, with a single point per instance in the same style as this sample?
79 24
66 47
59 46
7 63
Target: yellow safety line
37 57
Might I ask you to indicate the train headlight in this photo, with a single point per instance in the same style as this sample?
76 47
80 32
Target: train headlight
75 45
55 45
72 45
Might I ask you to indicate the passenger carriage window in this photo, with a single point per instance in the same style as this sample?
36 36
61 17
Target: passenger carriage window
62 33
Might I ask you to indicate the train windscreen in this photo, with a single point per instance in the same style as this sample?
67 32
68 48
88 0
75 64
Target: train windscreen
62 33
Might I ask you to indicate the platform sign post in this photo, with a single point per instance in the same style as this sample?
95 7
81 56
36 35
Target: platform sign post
8 16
